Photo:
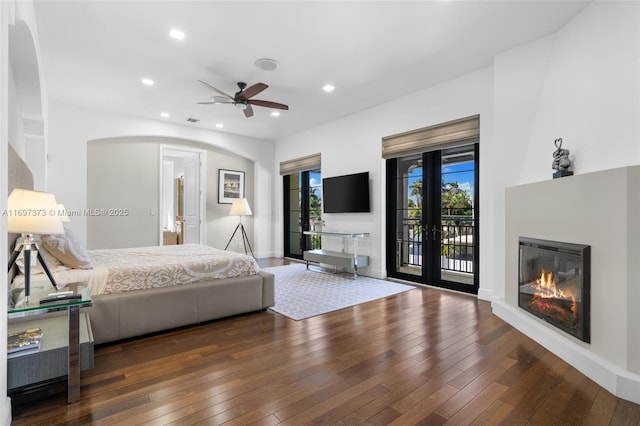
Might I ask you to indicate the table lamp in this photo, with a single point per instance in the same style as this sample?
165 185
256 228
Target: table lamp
29 213
240 207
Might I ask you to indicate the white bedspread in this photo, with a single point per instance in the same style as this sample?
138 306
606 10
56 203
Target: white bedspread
121 270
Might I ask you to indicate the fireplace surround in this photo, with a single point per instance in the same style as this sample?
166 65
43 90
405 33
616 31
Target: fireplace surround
600 209
554 284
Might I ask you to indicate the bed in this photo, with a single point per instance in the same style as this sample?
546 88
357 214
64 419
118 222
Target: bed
145 290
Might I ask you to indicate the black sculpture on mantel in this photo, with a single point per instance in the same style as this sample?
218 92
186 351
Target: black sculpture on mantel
561 161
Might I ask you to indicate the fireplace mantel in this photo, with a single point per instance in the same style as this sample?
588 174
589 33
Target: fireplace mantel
601 209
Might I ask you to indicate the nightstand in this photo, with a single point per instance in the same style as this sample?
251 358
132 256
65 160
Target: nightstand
63 335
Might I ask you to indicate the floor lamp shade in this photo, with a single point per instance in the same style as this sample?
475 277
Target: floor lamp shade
240 207
33 212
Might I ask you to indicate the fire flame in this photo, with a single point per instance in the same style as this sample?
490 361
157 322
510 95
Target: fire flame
546 288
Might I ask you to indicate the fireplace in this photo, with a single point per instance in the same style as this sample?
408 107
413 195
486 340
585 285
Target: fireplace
554 284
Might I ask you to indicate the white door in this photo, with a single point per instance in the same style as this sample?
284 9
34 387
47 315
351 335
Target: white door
192 199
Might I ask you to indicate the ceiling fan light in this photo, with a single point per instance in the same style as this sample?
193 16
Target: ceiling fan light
241 106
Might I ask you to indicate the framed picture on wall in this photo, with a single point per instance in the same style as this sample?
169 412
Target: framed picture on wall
230 186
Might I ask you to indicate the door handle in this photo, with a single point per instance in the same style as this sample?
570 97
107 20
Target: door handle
434 230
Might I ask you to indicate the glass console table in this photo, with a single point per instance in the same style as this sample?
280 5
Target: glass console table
20 309
338 259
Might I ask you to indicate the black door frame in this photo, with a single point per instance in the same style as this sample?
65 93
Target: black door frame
304 214
431 269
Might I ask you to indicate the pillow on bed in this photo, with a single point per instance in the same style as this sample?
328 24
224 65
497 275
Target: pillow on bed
67 249
53 263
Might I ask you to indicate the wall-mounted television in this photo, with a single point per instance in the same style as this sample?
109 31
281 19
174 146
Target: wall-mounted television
346 194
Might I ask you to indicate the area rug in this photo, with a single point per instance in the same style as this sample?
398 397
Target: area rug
302 293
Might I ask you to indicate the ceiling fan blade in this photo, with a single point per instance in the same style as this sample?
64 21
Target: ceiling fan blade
214 102
216 90
268 104
248 111
251 91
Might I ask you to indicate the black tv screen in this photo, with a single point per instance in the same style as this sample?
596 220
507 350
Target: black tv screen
346 194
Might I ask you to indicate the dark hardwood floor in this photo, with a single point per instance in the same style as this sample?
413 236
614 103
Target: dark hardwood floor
424 357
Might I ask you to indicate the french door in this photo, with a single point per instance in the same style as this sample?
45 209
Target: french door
432 218
302 202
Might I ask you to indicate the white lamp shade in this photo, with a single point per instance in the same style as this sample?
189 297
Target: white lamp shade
33 212
240 207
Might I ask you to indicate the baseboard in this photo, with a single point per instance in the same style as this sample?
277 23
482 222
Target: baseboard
265 254
377 273
6 420
616 380
485 294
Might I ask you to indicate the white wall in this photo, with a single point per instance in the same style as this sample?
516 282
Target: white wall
220 226
573 85
354 144
71 127
15 125
123 174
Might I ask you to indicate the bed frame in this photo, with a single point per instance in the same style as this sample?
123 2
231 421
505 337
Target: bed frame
123 315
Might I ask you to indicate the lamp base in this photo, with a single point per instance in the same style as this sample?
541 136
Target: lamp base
245 239
28 245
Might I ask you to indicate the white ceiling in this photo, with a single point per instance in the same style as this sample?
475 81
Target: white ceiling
95 53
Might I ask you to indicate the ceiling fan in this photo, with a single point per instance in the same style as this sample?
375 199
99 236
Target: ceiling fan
242 98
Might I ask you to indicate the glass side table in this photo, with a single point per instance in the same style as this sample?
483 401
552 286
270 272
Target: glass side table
19 308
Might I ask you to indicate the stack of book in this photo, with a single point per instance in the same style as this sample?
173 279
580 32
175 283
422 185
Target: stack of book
24 342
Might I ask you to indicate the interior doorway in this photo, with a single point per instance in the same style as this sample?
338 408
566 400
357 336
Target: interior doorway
181 195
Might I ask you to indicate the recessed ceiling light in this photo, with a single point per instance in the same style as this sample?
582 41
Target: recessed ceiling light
275 114
164 114
147 82
177 34
219 125
267 64
328 88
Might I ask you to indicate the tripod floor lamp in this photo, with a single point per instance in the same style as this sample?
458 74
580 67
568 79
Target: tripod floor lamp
29 213
240 207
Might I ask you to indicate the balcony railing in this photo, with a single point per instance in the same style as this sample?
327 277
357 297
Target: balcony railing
456 243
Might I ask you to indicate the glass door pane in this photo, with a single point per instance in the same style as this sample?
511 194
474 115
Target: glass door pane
302 201
314 242
457 214
408 214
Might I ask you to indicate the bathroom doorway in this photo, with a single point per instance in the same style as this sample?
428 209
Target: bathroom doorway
181 195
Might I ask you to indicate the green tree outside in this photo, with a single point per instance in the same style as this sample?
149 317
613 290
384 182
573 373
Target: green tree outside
454 202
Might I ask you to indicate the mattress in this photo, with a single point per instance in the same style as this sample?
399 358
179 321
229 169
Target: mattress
132 269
